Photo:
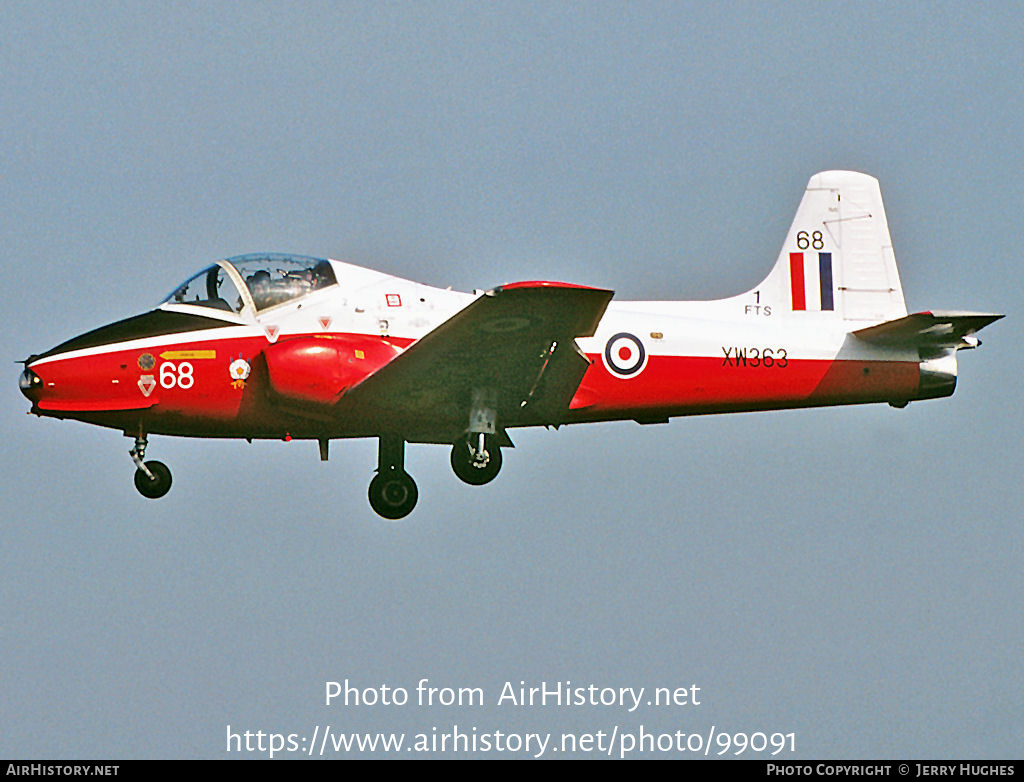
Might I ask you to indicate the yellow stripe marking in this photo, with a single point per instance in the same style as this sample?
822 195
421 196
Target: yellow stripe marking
180 355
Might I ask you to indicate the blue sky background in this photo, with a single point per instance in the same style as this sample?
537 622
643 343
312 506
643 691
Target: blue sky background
850 575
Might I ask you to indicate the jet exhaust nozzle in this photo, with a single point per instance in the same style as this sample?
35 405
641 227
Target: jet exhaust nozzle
938 377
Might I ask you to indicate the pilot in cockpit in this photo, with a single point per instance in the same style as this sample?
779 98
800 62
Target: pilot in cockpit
322 276
259 286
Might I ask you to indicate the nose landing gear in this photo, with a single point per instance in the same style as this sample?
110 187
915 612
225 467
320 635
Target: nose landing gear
152 478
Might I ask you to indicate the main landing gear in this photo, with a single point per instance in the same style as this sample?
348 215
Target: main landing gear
152 478
393 492
476 458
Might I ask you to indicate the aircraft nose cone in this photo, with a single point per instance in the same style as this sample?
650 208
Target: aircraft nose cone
30 385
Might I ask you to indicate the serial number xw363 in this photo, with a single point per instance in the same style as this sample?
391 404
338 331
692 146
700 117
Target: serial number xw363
766 358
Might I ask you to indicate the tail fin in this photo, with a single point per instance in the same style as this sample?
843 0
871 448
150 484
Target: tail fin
838 256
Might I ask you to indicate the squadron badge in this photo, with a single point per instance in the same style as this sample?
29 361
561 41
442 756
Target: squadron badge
239 370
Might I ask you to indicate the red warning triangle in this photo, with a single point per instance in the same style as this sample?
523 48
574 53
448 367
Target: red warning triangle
146 384
271 332
325 322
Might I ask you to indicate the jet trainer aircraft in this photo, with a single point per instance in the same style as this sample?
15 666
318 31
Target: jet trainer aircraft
283 346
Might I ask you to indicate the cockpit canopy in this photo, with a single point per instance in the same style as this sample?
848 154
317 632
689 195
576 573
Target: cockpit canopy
207 289
269 279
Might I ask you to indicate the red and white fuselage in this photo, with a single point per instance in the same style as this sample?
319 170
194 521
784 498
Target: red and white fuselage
276 346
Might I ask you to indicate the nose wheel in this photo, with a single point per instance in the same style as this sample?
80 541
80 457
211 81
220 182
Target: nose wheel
152 478
156 483
393 492
476 458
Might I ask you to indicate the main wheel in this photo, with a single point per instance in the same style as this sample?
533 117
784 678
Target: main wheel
469 469
157 486
393 493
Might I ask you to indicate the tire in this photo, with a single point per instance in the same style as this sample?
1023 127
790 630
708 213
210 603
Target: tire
156 487
468 470
393 494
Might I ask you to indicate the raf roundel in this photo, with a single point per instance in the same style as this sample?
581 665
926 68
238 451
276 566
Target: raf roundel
624 355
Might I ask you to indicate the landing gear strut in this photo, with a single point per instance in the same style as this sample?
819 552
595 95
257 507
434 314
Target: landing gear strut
393 492
476 458
152 478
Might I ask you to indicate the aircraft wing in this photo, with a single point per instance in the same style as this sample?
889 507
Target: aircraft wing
929 330
516 340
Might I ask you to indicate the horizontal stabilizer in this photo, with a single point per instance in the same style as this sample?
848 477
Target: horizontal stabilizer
929 330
